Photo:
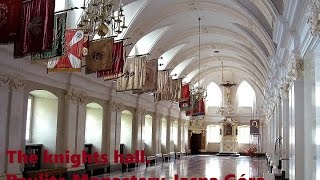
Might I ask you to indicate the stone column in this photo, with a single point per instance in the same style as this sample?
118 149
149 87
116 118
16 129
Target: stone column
81 122
72 126
296 99
180 130
169 129
285 128
156 133
106 130
4 99
115 131
17 121
138 128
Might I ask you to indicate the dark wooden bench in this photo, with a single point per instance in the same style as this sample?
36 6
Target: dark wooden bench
166 157
56 172
97 169
151 160
178 155
159 158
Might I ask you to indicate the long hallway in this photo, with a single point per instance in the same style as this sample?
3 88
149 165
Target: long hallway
200 166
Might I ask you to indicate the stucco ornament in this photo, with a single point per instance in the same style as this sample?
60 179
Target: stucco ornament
313 12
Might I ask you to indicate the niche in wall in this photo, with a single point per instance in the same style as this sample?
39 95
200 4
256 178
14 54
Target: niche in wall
174 140
148 134
126 131
41 125
93 131
163 135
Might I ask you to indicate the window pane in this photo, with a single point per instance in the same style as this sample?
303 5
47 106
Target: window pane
246 95
214 96
244 134
213 134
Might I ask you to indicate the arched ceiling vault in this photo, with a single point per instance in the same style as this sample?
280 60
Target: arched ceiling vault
238 29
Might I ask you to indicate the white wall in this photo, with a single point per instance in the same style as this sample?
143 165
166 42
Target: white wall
93 132
44 123
126 131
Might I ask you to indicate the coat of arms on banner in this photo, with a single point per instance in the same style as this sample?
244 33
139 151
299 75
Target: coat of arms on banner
71 60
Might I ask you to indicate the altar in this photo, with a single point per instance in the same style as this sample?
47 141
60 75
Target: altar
229 141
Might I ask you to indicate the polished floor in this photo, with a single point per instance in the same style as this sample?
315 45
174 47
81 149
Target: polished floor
202 166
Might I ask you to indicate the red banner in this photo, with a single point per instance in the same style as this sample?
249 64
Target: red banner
35 27
118 61
71 60
9 16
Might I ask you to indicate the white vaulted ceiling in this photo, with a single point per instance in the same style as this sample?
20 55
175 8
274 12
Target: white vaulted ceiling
241 30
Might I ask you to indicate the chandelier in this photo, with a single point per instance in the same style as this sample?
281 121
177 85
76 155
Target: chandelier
103 18
226 110
199 92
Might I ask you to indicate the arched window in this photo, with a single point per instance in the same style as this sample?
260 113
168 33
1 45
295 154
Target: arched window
246 95
214 96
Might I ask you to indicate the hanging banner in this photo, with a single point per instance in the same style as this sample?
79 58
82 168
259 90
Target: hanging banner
71 60
197 109
9 17
35 32
151 81
254 127
134 75
58 41
99 56
118 60
164 86
184 101
176 90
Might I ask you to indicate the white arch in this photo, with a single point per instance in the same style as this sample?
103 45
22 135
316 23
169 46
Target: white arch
144 45
246 95
214 97
169 55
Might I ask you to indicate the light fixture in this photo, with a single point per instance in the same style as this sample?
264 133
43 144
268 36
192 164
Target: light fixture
226 110
100 17
198 92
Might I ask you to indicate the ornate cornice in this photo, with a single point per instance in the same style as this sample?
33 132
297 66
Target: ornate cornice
4 79
16 82
141 112
76 96
313 12
159 116
115 106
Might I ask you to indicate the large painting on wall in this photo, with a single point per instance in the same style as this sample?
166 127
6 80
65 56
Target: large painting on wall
254 127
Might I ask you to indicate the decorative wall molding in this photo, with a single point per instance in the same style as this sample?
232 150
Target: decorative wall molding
15 82
76 96
141 112
115 106
313 12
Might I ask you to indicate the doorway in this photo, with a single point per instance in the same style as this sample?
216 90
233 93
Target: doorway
195 143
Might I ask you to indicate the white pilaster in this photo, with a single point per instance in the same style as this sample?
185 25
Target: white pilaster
4 99
17 121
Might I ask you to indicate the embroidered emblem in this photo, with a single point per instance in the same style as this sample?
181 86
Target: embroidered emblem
3 14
